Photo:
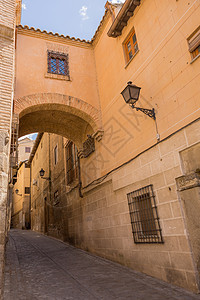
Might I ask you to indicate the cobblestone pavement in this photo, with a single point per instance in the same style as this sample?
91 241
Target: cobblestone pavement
39 267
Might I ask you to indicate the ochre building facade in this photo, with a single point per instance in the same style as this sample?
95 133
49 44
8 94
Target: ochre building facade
21 198
136 199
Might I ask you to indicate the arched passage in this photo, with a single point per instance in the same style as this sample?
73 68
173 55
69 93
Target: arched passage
60 114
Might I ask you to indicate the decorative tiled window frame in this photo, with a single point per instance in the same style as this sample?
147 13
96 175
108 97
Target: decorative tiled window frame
61 50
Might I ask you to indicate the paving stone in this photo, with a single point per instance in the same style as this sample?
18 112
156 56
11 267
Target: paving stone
40 267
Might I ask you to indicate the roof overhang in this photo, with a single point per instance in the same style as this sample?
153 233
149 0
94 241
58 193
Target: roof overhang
35 146
122 17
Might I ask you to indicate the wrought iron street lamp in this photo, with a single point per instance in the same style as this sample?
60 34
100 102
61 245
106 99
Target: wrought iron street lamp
131 95
42 172
17 192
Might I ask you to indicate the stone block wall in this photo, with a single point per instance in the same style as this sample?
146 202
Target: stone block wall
100 222
7 22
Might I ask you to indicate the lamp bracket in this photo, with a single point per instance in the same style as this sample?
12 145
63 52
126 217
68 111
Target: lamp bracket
47 178
148 112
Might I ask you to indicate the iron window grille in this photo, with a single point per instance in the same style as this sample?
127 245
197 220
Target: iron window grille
27 190
144 216
56 198
71 162
58 63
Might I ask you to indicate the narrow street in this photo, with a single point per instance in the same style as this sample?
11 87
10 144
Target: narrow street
39 267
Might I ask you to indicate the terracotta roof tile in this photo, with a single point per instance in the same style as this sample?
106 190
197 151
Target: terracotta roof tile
26 27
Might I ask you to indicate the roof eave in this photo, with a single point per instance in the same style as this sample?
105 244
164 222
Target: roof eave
35 146
122 18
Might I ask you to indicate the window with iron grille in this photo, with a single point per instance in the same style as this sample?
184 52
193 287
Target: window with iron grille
71 162
58 63
27 190
56 197
144 216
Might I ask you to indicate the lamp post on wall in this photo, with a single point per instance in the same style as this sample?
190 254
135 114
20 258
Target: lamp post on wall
42 172
17 192
131 95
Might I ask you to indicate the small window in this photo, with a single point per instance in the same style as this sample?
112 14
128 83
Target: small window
72 162
58 63
144 216
196 52
131 46
27 149
56 197
56 155
194 43
27 190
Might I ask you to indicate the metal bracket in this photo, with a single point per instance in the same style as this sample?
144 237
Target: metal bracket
46 178
148 112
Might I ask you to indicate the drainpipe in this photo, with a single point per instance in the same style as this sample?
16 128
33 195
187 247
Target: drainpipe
79 178
49 168
30 198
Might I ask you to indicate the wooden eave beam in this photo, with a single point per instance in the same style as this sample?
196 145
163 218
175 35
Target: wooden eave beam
122 18
129 14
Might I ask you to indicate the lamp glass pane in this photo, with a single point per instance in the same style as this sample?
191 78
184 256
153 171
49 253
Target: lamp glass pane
126 94
42 172
135 91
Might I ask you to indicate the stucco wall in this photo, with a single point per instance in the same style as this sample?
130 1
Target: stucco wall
20 200
31 68
162 68
100 222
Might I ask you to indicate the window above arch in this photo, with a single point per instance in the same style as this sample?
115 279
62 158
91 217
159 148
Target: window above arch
58 65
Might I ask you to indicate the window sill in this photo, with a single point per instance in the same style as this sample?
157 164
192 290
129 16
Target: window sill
193 60
57 76
131 59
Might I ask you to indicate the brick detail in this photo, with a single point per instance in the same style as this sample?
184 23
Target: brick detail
7 15
6 81
7 23
76 106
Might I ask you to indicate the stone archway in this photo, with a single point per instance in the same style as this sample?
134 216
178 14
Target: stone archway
60 114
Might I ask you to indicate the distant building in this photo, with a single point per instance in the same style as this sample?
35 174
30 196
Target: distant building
57 157
20 217
25 146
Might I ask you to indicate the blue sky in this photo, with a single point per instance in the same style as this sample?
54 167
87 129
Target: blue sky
78 18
